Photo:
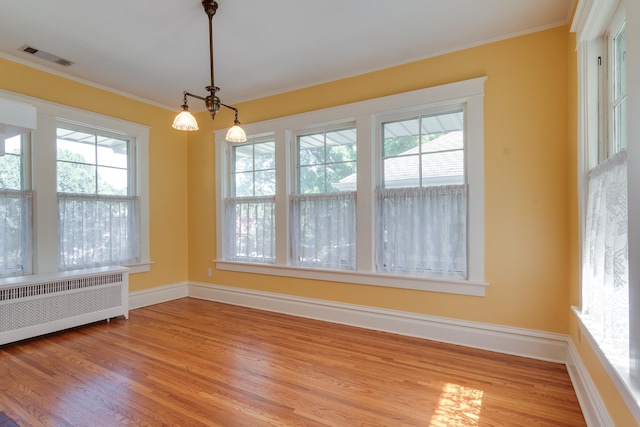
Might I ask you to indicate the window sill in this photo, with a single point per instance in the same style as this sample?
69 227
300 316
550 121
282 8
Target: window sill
619 375
450 286
60 275
140 267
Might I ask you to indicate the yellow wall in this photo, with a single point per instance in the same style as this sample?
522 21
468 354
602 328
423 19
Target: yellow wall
167 162
532 255
526 184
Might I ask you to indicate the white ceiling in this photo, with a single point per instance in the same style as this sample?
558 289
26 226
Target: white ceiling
156 49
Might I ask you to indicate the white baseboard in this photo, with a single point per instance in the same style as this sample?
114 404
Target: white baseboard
519 342
593 409
139 299
516 341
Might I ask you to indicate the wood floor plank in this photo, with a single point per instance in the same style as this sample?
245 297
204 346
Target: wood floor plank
190 362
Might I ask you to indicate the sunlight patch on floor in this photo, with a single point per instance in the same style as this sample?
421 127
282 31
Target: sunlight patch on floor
458 406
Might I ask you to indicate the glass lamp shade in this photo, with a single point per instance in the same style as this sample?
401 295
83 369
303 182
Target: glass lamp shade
236 134
185 121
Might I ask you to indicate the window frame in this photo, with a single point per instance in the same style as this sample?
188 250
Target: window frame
420 114
231 190
26 193
295 155
25 155
252 140
593 23
44 183
132 188
367 116
615 27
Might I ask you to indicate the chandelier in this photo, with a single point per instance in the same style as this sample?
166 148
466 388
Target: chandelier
185 120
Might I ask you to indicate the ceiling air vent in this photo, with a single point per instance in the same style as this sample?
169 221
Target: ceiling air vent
45 55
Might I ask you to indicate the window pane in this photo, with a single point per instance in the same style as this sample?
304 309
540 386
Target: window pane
16 210
422 208
443 168
400 137
76 178
92 163
243 158
250 229
265 184
311 150
97 230
97 206
620 125
401 172
243 184
444 142
339 172
311 179
324 231
406 144
265 155
327 162
76 147
341 145
423 231
113 152
323 211
11 173
13 145
254 167
620 66
438 124
112 181
619 96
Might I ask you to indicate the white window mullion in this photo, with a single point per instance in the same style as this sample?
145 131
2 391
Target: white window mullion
44 185
283 185
365 213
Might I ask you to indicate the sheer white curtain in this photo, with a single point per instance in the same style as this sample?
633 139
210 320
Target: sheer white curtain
605 276
423 231
250 231
96 230
323 230
16 232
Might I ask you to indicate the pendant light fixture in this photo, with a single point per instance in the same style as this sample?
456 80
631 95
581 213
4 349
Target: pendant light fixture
185 120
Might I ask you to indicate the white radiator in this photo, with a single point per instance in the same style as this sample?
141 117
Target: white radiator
41 304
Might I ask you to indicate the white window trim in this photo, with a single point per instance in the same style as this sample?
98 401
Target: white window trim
592 20
44 175
366 115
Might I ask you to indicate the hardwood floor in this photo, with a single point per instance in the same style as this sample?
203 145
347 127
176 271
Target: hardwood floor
197 363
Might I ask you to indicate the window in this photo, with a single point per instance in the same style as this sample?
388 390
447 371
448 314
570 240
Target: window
323 224
605 282
352 184
16 208
86 177
250 212
98 209
605 310
422 205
